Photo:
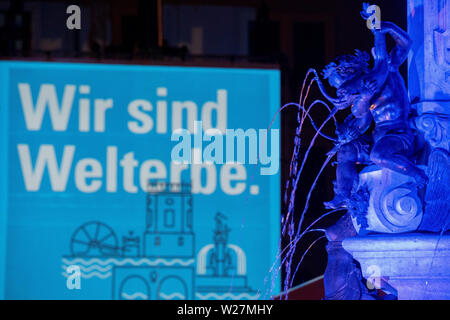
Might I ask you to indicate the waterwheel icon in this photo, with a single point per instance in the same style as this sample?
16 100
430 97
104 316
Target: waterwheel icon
94 239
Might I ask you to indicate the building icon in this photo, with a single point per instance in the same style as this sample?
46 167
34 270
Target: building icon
168 230
168 248
163 262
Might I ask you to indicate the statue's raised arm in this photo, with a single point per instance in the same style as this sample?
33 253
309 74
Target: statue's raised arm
402 40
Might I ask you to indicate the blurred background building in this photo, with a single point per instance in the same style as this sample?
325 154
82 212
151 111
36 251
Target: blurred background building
292 36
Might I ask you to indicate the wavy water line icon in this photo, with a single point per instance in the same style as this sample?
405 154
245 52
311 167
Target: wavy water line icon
172 296
90 275
134 262
227 295
134 296
90 268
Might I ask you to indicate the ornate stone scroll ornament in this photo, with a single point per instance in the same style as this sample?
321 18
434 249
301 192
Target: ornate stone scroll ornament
392 206
435 127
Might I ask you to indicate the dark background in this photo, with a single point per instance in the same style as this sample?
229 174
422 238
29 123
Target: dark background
290 35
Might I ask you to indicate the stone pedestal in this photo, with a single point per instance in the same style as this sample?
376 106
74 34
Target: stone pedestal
415 265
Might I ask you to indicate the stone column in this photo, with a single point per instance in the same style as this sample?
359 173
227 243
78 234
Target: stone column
429 58
429 91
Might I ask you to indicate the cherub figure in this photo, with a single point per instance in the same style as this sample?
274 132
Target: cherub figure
378 95
375 95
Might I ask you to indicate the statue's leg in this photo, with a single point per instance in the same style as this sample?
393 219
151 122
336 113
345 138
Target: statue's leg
346 173
342 278
392 152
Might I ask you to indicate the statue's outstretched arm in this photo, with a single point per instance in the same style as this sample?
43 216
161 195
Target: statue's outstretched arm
339 104
403 43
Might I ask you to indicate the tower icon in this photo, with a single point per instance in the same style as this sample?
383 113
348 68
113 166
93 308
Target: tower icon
168 231
220 261
222 267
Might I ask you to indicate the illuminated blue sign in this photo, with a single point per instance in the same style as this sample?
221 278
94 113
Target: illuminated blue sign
137 182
